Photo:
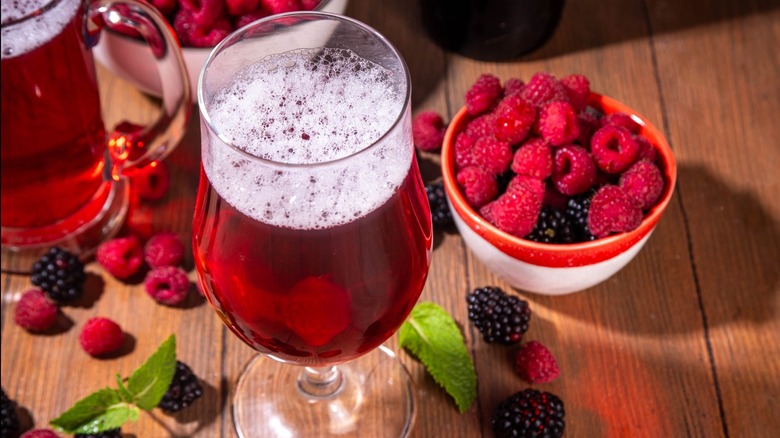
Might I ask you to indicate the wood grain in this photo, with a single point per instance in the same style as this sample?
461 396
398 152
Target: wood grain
681 342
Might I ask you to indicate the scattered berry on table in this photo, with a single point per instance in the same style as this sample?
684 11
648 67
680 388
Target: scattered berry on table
40 433
167 285
101 336
428 131
111 433
35 312
185 388
9 421
643 182
552 227
152 182
501 318
535 363
60 274
529 413
483 94
121 257
612 211
441 215
164 249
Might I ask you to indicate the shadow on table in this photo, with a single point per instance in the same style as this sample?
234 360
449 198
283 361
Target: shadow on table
718 265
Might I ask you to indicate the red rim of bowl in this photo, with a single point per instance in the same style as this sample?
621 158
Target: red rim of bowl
562 255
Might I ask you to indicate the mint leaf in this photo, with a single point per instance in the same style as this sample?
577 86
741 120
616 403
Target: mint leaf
123 392
151 380
432 336
87 409
112 418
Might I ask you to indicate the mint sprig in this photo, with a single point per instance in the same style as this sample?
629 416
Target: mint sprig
110 408
432 336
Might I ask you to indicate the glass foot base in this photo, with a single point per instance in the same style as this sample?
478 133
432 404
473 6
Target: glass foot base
374 397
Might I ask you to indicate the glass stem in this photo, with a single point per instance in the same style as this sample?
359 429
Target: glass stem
320 383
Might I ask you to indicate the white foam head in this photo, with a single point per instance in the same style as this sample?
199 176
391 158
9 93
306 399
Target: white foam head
297 109
23 37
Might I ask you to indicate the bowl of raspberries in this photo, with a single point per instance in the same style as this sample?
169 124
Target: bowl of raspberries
199 25
554 187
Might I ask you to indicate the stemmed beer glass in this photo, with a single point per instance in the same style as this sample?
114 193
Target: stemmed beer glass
312 232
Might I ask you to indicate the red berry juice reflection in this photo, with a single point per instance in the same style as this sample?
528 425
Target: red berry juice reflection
320 263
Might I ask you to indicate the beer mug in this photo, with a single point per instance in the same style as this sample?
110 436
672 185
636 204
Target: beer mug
63 176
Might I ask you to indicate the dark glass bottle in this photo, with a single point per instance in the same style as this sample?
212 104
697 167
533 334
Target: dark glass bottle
491 30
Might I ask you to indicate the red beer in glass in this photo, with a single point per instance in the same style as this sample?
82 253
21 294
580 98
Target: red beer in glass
52 128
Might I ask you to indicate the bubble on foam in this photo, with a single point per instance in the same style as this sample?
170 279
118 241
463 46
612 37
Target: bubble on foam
309 107
23 37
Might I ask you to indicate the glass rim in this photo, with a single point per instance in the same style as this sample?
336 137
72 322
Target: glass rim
204 113
30 15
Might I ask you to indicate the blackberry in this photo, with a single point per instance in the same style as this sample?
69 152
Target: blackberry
184 389
60 274
111 433
552 227
529 413
9 422
440 211
577 214
499 317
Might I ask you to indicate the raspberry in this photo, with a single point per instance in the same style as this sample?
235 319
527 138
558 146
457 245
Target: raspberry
543 88
428 131
643 182
536 364
513 86
280 6
184 389
464 150
529 413
574 171
249 17
111 433
483 94
622 120
164 249
308 5
152 182
533 186
646 150
35 312
101 336
60 274
492 155
612 211
558 123
478 187
533 158
441 216
513 119
578 89
613 148
167 285
39 433
499 317
515 211
121 257
480 127
9 420
552 227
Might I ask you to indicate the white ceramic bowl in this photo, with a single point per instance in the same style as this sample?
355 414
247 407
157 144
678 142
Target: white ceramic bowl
133 61
554 269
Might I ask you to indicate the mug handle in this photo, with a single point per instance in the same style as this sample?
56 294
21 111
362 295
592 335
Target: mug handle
128 147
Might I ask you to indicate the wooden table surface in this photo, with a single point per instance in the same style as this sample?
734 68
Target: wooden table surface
684 341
